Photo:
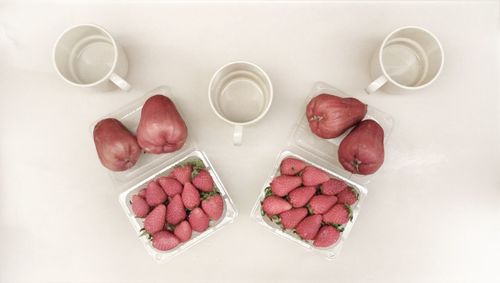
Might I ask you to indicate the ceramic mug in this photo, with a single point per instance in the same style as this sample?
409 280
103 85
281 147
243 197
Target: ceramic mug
240 93
409 58
86 55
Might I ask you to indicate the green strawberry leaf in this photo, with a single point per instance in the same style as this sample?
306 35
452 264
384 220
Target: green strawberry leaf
268 192
349 210
309 210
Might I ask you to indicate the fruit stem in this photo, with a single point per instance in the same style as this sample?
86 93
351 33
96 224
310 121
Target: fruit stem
355 163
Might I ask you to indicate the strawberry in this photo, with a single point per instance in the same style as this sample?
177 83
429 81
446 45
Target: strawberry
321 204
198 220
301 196
333 187
155 194
155 221
213 206
292 217
283 184
175 210
203 181
348 196
308 227
190 196
183 231
142 193
182 173
170 186
165 240
312 176
339 214
140 207
273 205
291 166
326 236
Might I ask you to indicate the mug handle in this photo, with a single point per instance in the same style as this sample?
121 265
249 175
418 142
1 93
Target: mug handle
120 82
238 135
376 84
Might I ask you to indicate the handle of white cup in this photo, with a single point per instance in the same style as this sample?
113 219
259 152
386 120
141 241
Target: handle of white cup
376 84
238 135
120 82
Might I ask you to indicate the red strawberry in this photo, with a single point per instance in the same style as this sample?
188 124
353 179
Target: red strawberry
198 220
139 206
326 237
213 206
291 166
170 186
273 205
190 196
292 217
165 240
308 228
155 221
182 173
175 210
333 187
183 231
142 193
338 214
203 181
155 194
347 196
283 184
321 204
301 196
312 176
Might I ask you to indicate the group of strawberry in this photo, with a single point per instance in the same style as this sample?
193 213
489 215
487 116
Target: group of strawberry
174 206
309 202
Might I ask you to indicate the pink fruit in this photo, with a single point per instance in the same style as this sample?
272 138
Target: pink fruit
330 116
213 206
333 187
155 221
321 204
273 205
301 196
139 206
198 220
142 193
203 181
165 241
182 173
283 184
326 236
292 217
338 214
291 166
116 146
308 227
155 194
190 196
161 128
347 196
170 186
175 210
183 231
362 150
312 176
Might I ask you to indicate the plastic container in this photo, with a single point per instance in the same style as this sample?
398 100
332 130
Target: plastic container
152 166
321 153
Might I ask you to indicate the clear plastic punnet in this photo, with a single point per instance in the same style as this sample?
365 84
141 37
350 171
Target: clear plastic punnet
151 166
322 154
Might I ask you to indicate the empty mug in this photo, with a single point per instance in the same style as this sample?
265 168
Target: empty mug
409 58
240 93
86 55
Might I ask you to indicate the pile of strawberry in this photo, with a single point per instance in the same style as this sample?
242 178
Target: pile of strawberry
176 205
309 202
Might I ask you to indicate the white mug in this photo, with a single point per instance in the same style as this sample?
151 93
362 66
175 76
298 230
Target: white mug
86 55
409 58
240 93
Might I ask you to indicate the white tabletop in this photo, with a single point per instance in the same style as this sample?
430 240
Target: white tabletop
432 213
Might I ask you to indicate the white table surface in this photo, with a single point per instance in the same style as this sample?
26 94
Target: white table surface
432 213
